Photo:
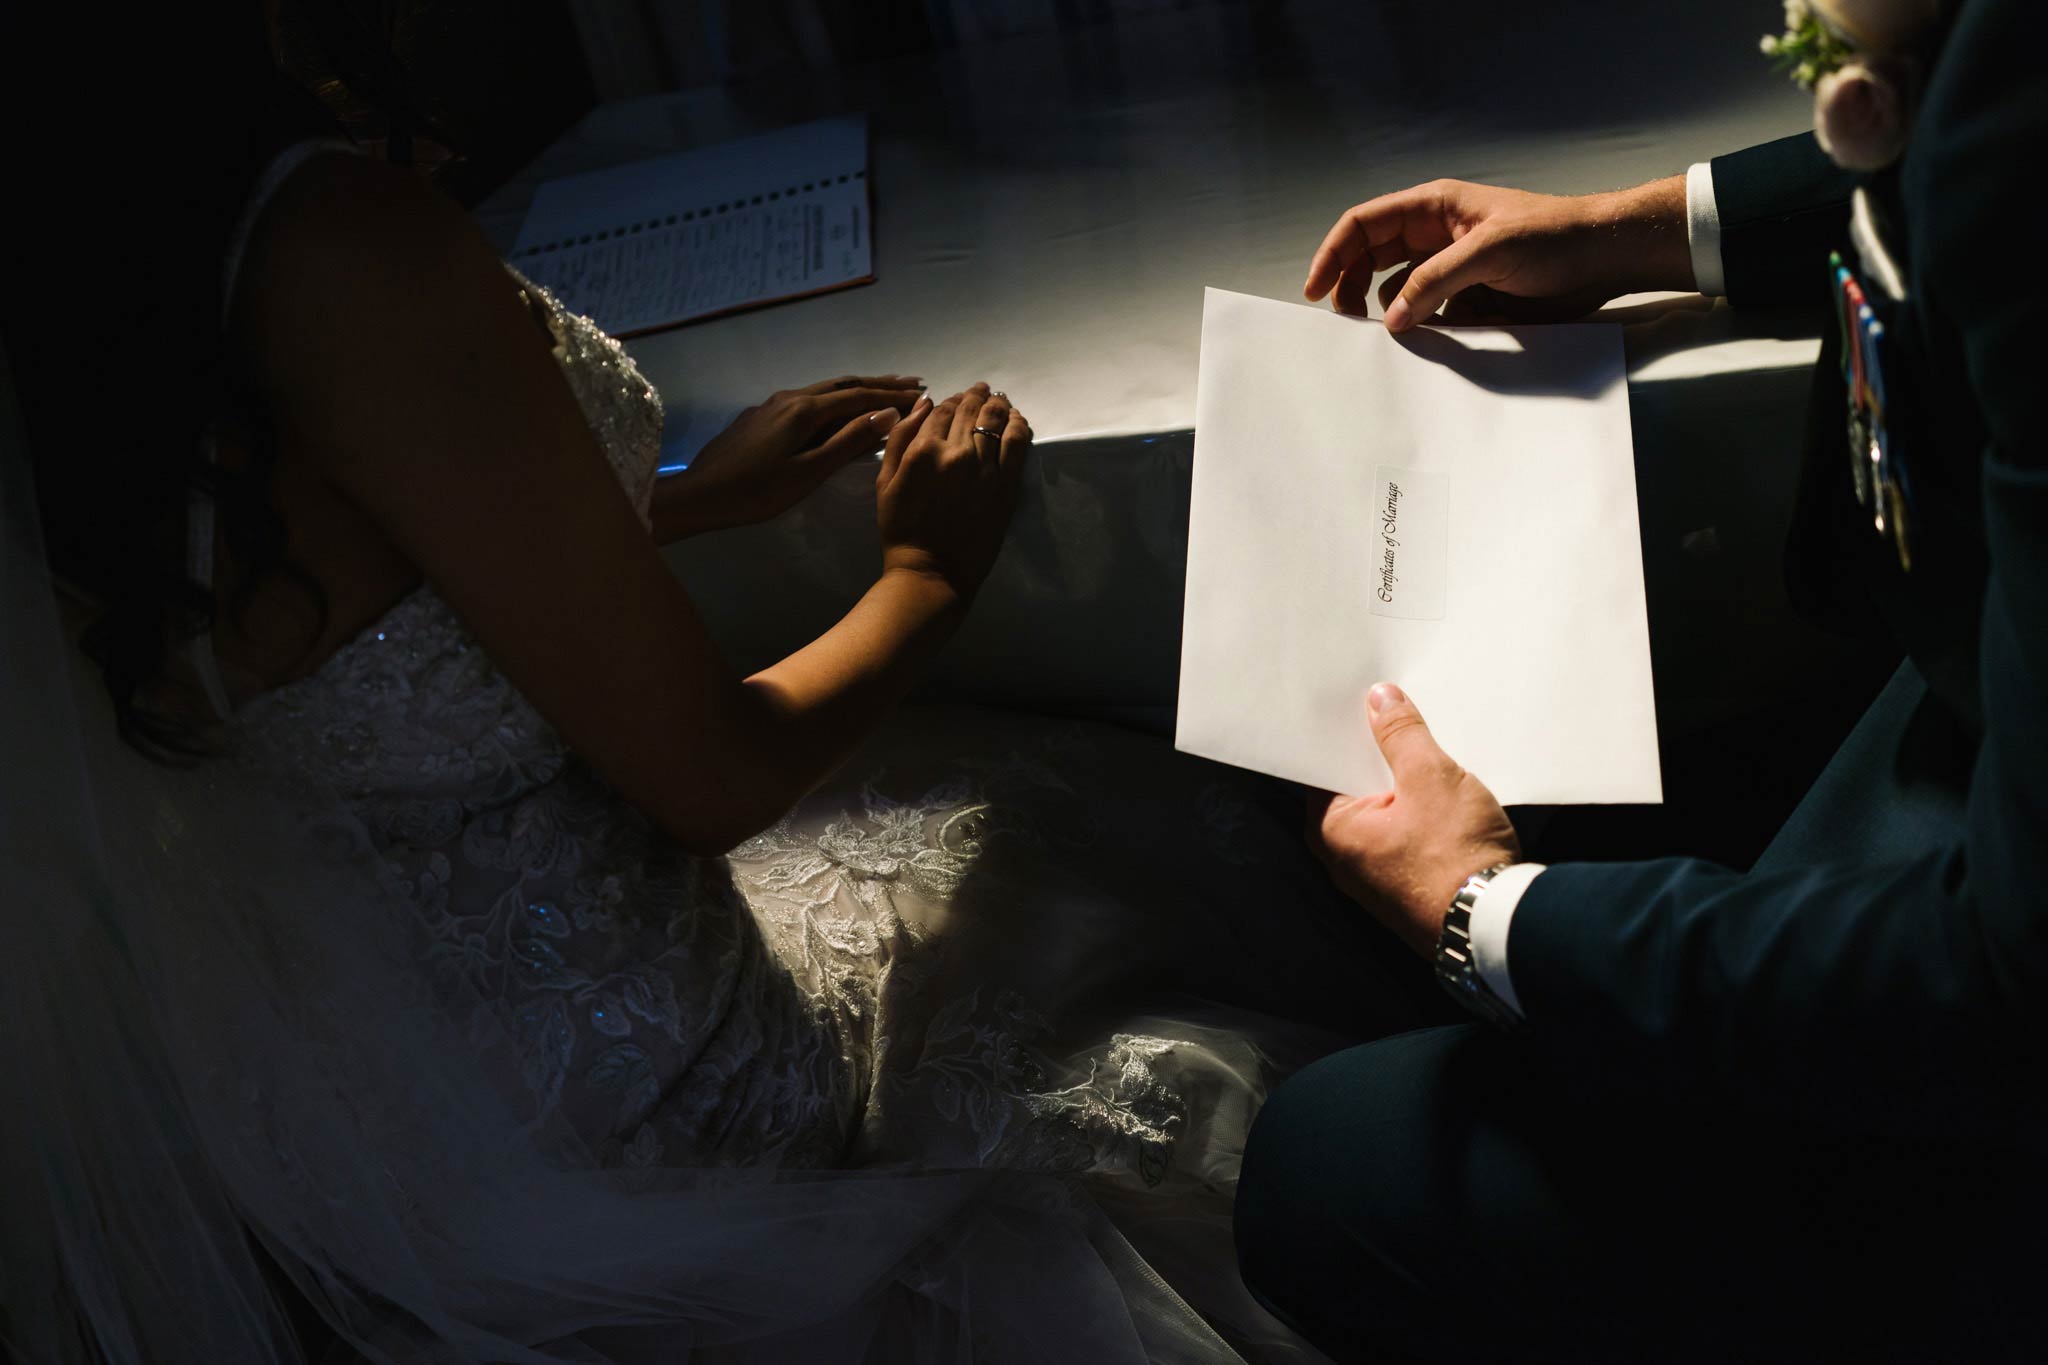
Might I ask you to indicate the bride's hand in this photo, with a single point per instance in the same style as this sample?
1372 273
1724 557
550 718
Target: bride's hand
776 453
946 488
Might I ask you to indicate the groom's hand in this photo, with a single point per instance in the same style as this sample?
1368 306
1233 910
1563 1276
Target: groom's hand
1485 253
1403 854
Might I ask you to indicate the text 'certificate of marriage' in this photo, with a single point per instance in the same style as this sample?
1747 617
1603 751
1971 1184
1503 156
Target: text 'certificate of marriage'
1454 511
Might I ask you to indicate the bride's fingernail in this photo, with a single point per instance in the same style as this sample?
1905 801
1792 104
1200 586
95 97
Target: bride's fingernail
884 419
1397 315
1384 695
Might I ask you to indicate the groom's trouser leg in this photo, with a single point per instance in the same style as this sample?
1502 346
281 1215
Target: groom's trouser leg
1440 1195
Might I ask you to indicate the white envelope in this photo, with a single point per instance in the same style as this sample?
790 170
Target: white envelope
1454 511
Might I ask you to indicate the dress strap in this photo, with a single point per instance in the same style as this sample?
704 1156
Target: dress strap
275 174
199 566
199 515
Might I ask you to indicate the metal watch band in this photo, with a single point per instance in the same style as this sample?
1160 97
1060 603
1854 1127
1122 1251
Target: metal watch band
1456 968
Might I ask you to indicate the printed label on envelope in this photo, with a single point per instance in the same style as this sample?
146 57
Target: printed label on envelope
1411 531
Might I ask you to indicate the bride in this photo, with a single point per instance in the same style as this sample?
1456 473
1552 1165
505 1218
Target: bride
508 979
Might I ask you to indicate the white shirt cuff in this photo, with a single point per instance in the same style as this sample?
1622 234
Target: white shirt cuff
1491 911
1703 230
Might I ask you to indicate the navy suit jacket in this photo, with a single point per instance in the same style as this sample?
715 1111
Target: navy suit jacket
1907 996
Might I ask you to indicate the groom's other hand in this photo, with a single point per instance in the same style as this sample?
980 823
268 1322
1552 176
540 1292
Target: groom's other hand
1403 854
1503 255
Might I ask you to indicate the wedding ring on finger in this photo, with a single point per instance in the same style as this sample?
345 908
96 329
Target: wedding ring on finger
989 431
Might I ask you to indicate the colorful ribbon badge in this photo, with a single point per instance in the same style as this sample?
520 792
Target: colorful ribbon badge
1878 473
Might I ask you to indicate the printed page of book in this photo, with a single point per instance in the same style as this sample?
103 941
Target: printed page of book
692 235
1452 510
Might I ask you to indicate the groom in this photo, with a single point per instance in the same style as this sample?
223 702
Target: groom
1702 1114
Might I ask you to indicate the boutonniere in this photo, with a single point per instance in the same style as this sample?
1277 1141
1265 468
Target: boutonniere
1859 58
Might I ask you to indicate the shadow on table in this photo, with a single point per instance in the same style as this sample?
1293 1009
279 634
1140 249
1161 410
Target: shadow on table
1532 374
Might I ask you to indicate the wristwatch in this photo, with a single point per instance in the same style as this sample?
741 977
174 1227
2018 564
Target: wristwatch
1455 967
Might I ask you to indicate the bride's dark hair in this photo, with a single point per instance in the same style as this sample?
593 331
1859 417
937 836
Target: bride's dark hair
113 308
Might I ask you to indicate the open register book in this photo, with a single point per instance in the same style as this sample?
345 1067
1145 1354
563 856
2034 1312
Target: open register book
654 243
1454 511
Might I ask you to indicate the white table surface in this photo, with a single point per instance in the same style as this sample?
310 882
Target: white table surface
1048 209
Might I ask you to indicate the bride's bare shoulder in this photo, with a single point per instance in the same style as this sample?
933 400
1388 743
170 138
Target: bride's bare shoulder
345 248
340 206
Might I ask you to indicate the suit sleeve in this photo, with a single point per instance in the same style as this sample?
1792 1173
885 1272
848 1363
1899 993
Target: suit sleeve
1783 206
1910 997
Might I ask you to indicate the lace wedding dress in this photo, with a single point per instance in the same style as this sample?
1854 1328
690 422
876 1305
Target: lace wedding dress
992 943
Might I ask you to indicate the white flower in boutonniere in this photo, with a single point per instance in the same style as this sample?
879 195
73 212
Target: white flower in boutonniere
1859 117
1808 48
1858 58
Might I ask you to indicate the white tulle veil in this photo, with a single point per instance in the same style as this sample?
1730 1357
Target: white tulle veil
233 1128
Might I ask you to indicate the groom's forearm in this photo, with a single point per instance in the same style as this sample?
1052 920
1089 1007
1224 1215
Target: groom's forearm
1641 232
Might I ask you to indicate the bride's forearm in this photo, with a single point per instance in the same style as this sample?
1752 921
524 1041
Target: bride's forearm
798 720
820 702
675 512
